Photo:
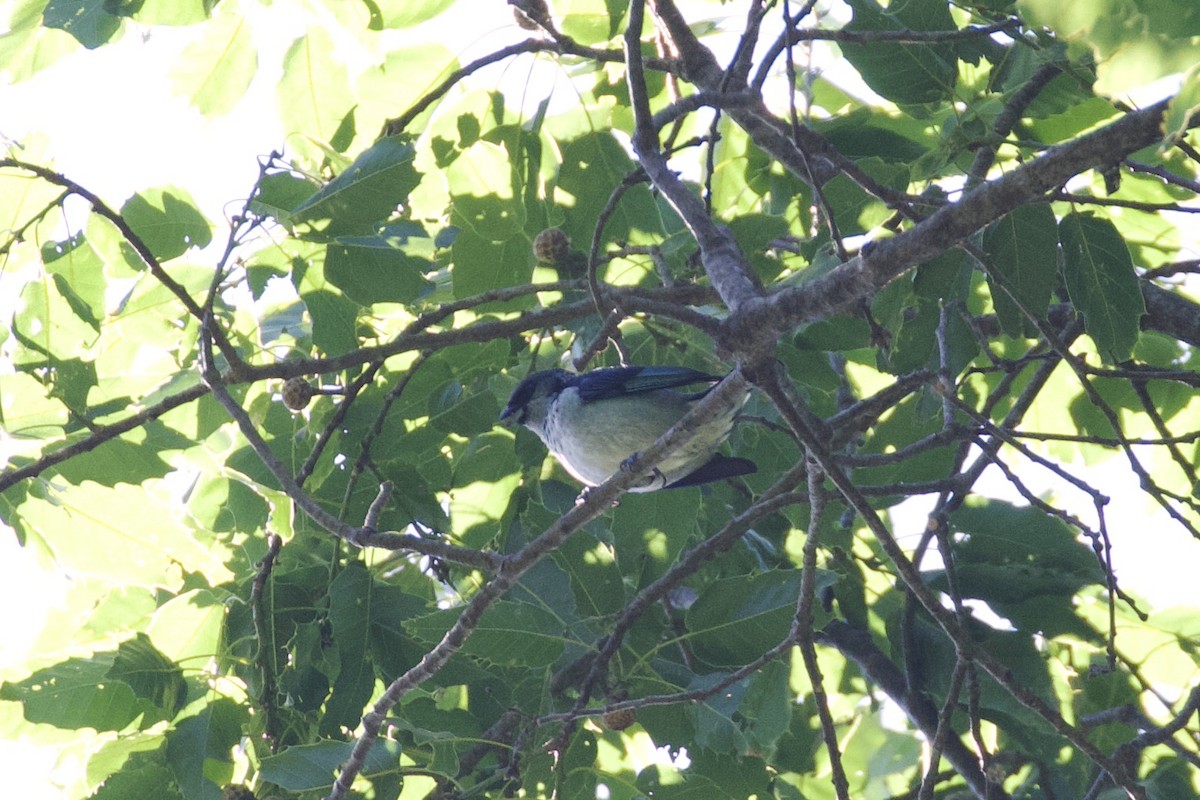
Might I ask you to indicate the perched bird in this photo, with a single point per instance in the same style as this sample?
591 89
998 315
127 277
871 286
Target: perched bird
595 421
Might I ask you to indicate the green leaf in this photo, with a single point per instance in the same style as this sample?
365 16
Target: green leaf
1183 107
200 748
407 13
171 12
333 321
215 71
78 693
150 674
28 46
738 618
470 416
1023 251
484 480
510 634
78 274
767 706
351 599
649 531
143 781
906 74
116 461
277 193
366 193
1023 563
592 567
857 211
89 21
1102 284
167 220
314 93
481 265
1135 43
120 533
308 767
373 270
391 647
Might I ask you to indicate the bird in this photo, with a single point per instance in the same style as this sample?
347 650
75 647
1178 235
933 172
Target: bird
594 422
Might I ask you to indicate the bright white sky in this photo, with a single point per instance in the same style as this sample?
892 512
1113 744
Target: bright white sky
115 127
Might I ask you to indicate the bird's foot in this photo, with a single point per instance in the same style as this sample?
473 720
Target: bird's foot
655 476
583 497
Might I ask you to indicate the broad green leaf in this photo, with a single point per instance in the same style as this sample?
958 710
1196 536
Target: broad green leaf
767 706
1136 42
80 693
1024 564
509 634
120 460
1023 252
351 600
390 646
592 567
665 782
865 134
79 276
171 12
187 629
167 220
407 13
121 533
471 415
89 21
904 73
314 92
51 332
738 618
366 193
140 781
649 531
1184 106
717 729
373 270
484 480
277 193
855 210
308 767
214 72
27 47
200 748
1102 284
481 264
151 675
403 76
333 321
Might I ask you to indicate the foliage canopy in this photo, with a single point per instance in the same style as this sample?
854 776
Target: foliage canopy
939 241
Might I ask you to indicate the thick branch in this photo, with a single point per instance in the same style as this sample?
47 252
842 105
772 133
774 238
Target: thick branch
947 227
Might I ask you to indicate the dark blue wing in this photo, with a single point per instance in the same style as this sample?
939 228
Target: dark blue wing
604 384
717 468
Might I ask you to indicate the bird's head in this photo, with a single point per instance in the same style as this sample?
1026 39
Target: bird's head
531 400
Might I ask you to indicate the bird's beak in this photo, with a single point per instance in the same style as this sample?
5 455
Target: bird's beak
508 417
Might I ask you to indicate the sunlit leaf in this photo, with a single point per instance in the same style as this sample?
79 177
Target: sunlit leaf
167 220
314 92
214 72
366 193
